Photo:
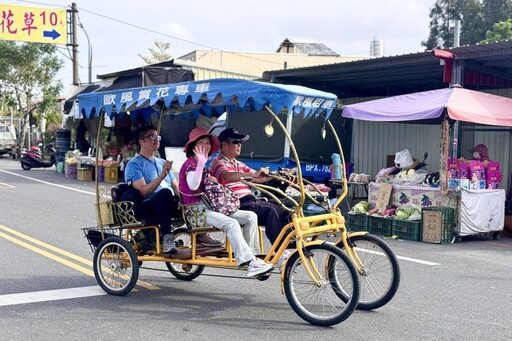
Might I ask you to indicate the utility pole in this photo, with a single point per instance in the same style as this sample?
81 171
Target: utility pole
73 41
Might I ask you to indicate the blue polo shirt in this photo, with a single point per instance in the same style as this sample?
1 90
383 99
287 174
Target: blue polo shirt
141 167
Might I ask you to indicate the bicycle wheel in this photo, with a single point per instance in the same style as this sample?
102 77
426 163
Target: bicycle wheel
115 266
321 305
186 272
380 275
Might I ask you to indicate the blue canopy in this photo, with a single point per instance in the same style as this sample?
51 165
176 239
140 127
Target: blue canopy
196 96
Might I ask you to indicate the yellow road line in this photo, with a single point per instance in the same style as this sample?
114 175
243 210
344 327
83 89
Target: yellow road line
48 254
46 245
60 251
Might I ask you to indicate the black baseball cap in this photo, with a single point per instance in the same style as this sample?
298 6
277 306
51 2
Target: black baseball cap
231 134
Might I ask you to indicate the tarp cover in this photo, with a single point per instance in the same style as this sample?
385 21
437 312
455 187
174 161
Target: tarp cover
207 94
460 104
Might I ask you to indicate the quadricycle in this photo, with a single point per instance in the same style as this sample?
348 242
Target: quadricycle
330 272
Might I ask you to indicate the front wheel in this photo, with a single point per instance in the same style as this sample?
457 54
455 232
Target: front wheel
186 272
321 305
379 271
115 266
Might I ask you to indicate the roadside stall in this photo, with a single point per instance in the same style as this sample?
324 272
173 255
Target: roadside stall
465 186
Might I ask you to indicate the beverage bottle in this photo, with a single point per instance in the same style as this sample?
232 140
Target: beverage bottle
336 165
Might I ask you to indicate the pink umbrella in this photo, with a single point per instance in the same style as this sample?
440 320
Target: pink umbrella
460 105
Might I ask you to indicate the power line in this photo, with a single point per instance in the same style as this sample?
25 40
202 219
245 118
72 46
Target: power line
173 37
155 32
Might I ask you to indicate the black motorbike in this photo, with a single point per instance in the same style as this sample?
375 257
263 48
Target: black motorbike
33 158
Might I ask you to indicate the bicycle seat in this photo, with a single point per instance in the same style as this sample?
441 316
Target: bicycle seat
125 192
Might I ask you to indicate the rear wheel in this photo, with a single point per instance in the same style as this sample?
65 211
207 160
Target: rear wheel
115 266
186 272
380 274
321 305
25 166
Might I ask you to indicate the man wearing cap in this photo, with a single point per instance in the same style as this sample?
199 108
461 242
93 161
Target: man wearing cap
228 170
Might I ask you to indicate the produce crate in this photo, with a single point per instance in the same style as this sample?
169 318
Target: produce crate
356 222
85 174
110 174
380 226
438 224
407 229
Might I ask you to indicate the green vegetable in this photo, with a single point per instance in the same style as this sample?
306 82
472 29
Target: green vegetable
361 207
401 214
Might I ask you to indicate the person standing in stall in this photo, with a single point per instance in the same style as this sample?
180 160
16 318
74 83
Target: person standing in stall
479 152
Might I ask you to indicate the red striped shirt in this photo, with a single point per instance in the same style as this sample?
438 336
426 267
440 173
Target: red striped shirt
222 164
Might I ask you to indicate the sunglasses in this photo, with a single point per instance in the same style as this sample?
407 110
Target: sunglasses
236 142
153 137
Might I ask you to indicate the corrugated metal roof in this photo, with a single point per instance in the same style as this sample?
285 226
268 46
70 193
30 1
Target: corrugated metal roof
396 75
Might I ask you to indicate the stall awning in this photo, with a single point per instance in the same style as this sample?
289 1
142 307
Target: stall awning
221 94
460 105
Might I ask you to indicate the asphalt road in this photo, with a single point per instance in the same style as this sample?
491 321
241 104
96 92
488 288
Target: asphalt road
460 291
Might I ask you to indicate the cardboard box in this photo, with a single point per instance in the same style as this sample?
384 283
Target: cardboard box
463 169
476 170
453 183
84 174
464 183
432 227
453 168
438 224
110 174
477 184
493 166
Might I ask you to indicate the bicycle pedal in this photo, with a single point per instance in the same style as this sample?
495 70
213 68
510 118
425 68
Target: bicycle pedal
264 277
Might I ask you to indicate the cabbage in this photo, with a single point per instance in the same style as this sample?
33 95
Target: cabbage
361 207
400 214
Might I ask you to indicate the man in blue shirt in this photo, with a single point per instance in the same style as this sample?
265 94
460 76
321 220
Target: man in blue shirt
153 178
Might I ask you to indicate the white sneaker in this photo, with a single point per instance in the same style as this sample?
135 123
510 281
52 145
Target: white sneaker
168 245
257 267
282 260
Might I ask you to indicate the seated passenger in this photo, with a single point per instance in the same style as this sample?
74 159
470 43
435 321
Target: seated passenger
199 147
229 170
158 187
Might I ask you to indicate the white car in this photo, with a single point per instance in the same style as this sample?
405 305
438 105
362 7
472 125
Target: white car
7 140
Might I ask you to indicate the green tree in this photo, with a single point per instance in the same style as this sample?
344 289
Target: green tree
158 53
499 31
495 11
473 25
28 78
477 17
443 15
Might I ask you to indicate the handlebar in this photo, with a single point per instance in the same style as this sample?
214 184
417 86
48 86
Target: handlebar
268 191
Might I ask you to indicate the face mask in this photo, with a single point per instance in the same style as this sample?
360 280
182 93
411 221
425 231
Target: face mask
476 155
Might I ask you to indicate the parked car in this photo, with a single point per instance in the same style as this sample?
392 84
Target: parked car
8 140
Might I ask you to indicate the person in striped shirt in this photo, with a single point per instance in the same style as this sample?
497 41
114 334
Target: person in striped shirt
228 170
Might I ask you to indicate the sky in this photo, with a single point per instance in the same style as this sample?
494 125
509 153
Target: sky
120 30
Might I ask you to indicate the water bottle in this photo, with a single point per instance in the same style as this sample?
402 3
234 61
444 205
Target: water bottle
336 164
